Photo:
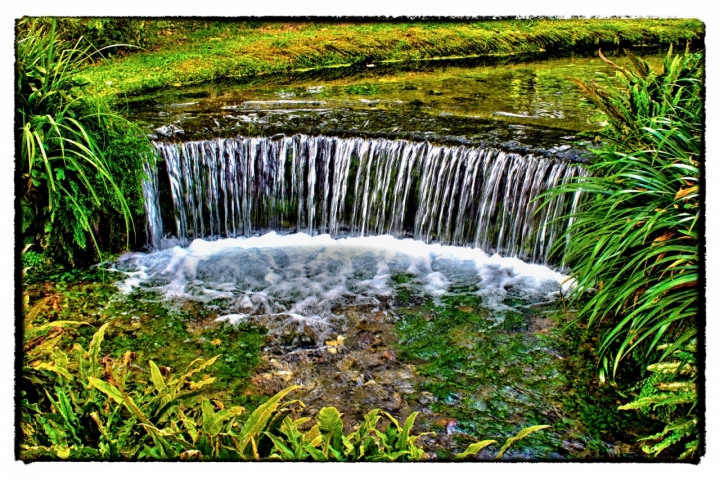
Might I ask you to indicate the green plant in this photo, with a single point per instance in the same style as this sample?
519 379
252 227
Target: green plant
670 393
633 243
476 447
73 181
326 441
83 405
87 406
119 32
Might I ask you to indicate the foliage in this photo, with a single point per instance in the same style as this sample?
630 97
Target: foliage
79 163
93 408
86 406
635 241
126 32
633 244
671 391
326 441
476 447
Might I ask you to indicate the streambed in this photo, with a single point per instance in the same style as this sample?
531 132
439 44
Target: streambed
411 271
465 338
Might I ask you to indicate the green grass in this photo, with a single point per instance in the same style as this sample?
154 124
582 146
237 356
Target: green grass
193 51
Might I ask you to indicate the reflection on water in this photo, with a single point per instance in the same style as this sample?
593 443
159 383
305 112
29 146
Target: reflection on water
536 93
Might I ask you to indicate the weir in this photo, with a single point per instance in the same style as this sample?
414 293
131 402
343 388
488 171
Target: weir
345 187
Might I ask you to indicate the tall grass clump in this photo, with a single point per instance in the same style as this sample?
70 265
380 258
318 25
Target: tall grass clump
79 163
633 247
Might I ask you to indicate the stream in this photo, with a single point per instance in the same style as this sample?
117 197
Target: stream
378 224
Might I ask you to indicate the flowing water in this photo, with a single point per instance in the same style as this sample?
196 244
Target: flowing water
464 196
299 285
328 210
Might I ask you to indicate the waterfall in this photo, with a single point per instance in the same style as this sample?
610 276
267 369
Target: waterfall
153 226
454 195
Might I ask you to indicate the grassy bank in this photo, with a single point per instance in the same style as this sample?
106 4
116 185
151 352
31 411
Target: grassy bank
195 51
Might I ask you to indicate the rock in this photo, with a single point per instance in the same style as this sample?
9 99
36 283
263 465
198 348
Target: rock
427 398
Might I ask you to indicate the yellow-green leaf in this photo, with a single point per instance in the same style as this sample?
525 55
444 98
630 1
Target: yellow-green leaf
522 434
156 377
197 385
107 389
474 448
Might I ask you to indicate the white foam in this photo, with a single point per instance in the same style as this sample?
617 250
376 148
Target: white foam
305 278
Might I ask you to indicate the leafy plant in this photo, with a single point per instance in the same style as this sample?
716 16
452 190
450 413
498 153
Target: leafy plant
476 447
672 387
70 176
83 405
325 441
633 244
93 407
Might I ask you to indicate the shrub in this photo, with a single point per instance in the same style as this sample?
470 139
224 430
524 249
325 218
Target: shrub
80 164
633 244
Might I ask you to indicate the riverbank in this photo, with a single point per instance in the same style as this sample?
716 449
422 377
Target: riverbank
195 51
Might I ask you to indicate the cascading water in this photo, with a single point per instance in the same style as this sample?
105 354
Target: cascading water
464 196
355 214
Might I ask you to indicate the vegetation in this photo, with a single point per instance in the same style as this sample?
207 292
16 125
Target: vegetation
634 244
83 405
80 164
477 366
195 51
90 389
116 35
672 388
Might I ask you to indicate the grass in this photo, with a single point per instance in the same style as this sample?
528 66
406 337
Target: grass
196 51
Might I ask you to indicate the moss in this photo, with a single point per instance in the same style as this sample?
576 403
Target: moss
493 376
195 51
